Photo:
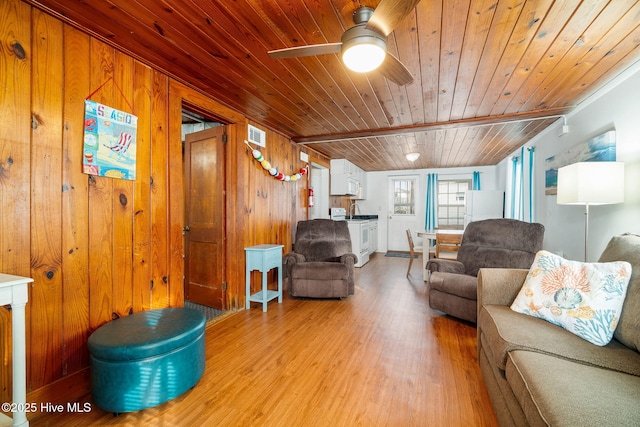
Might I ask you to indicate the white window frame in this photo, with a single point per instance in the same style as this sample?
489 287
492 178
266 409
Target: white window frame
445 221
413 204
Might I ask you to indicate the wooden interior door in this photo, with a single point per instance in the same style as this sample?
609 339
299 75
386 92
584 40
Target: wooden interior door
204 216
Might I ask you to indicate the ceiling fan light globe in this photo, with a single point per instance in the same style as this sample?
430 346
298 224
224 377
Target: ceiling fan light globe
363 50
412 157
363 57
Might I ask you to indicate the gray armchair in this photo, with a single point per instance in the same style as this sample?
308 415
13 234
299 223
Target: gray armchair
491 243
321 264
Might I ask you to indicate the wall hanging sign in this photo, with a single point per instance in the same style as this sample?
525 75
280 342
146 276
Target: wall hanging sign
602 148
109 142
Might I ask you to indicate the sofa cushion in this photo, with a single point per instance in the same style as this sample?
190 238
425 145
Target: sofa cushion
505 405
322 239
503 330
584 298
320 280
499 243
320 270
557 392
626 247
455 284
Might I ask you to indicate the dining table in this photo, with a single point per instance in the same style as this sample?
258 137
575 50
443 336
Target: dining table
428 241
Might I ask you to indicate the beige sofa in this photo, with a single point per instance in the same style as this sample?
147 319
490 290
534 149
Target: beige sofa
538 374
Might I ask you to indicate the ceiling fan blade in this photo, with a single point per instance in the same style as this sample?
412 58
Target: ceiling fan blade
388 15
395 70
314 49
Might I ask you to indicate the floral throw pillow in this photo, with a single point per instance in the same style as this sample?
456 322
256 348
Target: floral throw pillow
584 298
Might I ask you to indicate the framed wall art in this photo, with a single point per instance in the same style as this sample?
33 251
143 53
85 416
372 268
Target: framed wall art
602 148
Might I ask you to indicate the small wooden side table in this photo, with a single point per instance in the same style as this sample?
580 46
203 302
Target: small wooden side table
263 258
14 290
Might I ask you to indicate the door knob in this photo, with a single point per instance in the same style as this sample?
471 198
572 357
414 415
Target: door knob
186 228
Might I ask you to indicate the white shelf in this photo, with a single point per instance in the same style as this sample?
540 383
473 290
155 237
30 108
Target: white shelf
257 297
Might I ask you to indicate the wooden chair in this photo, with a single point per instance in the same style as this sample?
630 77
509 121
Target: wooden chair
413 250
447 245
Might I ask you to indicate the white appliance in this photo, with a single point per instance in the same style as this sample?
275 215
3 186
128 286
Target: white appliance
352 187
359 232
483 204
338 214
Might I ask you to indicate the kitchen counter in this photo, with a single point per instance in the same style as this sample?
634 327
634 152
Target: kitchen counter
361 217
356 221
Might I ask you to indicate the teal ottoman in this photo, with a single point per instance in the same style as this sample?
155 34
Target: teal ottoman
146 359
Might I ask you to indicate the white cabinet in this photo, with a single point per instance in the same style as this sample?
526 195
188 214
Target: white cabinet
373 236
344 167
346 179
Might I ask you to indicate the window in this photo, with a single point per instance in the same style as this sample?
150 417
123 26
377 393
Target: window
404 196
451 195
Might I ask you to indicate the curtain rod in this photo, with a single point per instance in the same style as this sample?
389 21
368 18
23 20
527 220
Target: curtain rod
459 173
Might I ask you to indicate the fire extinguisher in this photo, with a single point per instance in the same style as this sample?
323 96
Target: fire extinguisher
310 197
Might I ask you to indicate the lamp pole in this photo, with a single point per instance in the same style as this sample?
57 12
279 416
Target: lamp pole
586 231
584 183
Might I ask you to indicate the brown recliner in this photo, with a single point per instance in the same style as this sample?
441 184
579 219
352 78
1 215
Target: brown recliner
321 264
490 243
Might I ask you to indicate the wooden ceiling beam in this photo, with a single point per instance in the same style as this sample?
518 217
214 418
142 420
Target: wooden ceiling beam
401 130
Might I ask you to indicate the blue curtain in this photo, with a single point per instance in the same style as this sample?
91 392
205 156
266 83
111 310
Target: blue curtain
431 220
515 167
476 181
532 151
521 187
517 187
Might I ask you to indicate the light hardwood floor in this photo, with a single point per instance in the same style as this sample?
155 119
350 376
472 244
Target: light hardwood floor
379 358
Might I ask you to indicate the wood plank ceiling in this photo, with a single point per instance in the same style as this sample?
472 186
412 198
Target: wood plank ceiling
489 75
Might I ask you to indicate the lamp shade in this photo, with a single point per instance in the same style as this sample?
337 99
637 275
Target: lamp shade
591 183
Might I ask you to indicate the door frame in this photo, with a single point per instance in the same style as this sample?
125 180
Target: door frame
182 96
403 221
319 175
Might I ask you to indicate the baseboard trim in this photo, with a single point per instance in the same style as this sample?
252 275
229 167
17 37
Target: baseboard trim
68 390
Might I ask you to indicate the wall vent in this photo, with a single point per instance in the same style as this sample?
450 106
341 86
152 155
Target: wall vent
257 136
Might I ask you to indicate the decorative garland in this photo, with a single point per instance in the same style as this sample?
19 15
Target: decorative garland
274 171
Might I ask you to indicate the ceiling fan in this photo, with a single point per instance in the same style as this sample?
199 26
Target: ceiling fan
364 46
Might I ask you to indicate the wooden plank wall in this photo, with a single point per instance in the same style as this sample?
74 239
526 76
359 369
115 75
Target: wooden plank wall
272 204
100 248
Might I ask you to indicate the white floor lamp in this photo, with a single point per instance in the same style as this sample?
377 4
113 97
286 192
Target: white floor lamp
591 183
